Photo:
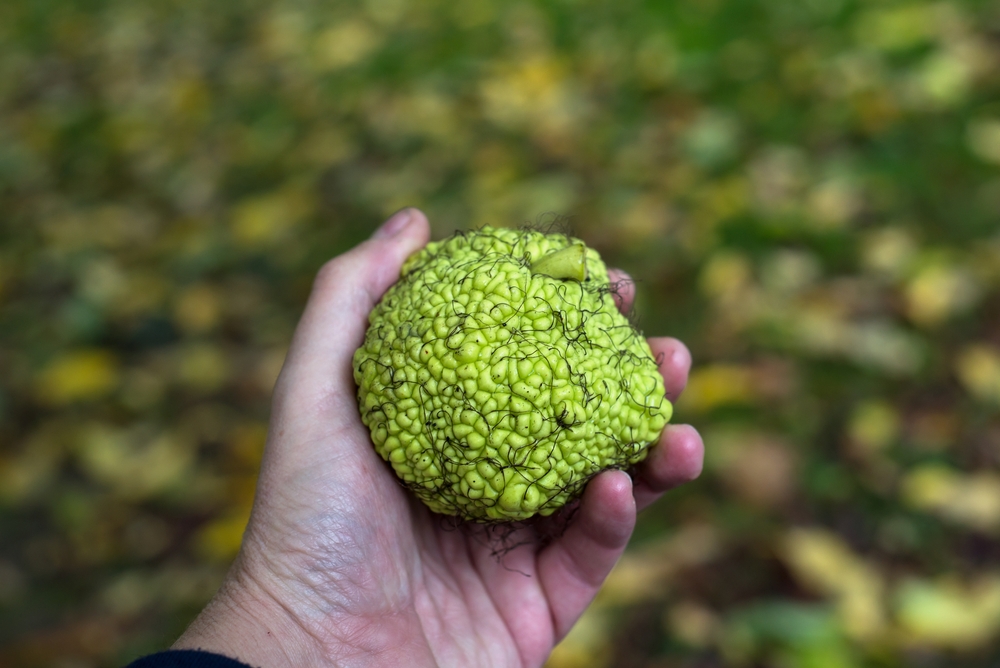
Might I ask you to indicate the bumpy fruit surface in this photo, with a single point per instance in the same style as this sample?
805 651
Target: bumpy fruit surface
498 376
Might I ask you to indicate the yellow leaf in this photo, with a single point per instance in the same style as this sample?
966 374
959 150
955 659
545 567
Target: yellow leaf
978 368
888 250
945 78
133 462
873 426
78 375
535 95
221 538
345 44
948 613
260 220
896 28
929 486
938 291
717 385
824 563
972 500
834 203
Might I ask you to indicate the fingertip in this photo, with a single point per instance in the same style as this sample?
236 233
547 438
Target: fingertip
377 262
687 449
418 231
614 484
674 361
404 231
678 458
608 510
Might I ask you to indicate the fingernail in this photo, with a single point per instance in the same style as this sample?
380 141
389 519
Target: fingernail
394 225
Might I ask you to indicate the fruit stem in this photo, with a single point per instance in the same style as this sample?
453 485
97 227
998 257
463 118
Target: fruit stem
566 263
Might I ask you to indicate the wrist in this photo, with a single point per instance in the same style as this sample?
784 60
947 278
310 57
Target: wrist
256 619
245 622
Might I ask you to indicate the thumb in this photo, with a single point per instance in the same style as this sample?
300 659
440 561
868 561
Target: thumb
345 290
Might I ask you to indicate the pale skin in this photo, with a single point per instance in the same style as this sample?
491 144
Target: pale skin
341 566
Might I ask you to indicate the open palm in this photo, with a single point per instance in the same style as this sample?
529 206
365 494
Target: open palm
341 566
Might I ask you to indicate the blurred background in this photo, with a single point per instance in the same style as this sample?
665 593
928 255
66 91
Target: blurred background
807 192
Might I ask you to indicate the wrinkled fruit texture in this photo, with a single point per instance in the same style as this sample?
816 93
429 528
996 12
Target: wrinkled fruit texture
495 390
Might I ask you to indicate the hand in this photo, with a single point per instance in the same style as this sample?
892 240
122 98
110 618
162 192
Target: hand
341 566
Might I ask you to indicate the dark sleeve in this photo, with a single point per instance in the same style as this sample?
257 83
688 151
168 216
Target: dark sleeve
186 658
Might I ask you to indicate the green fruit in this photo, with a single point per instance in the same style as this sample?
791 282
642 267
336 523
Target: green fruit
498 376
